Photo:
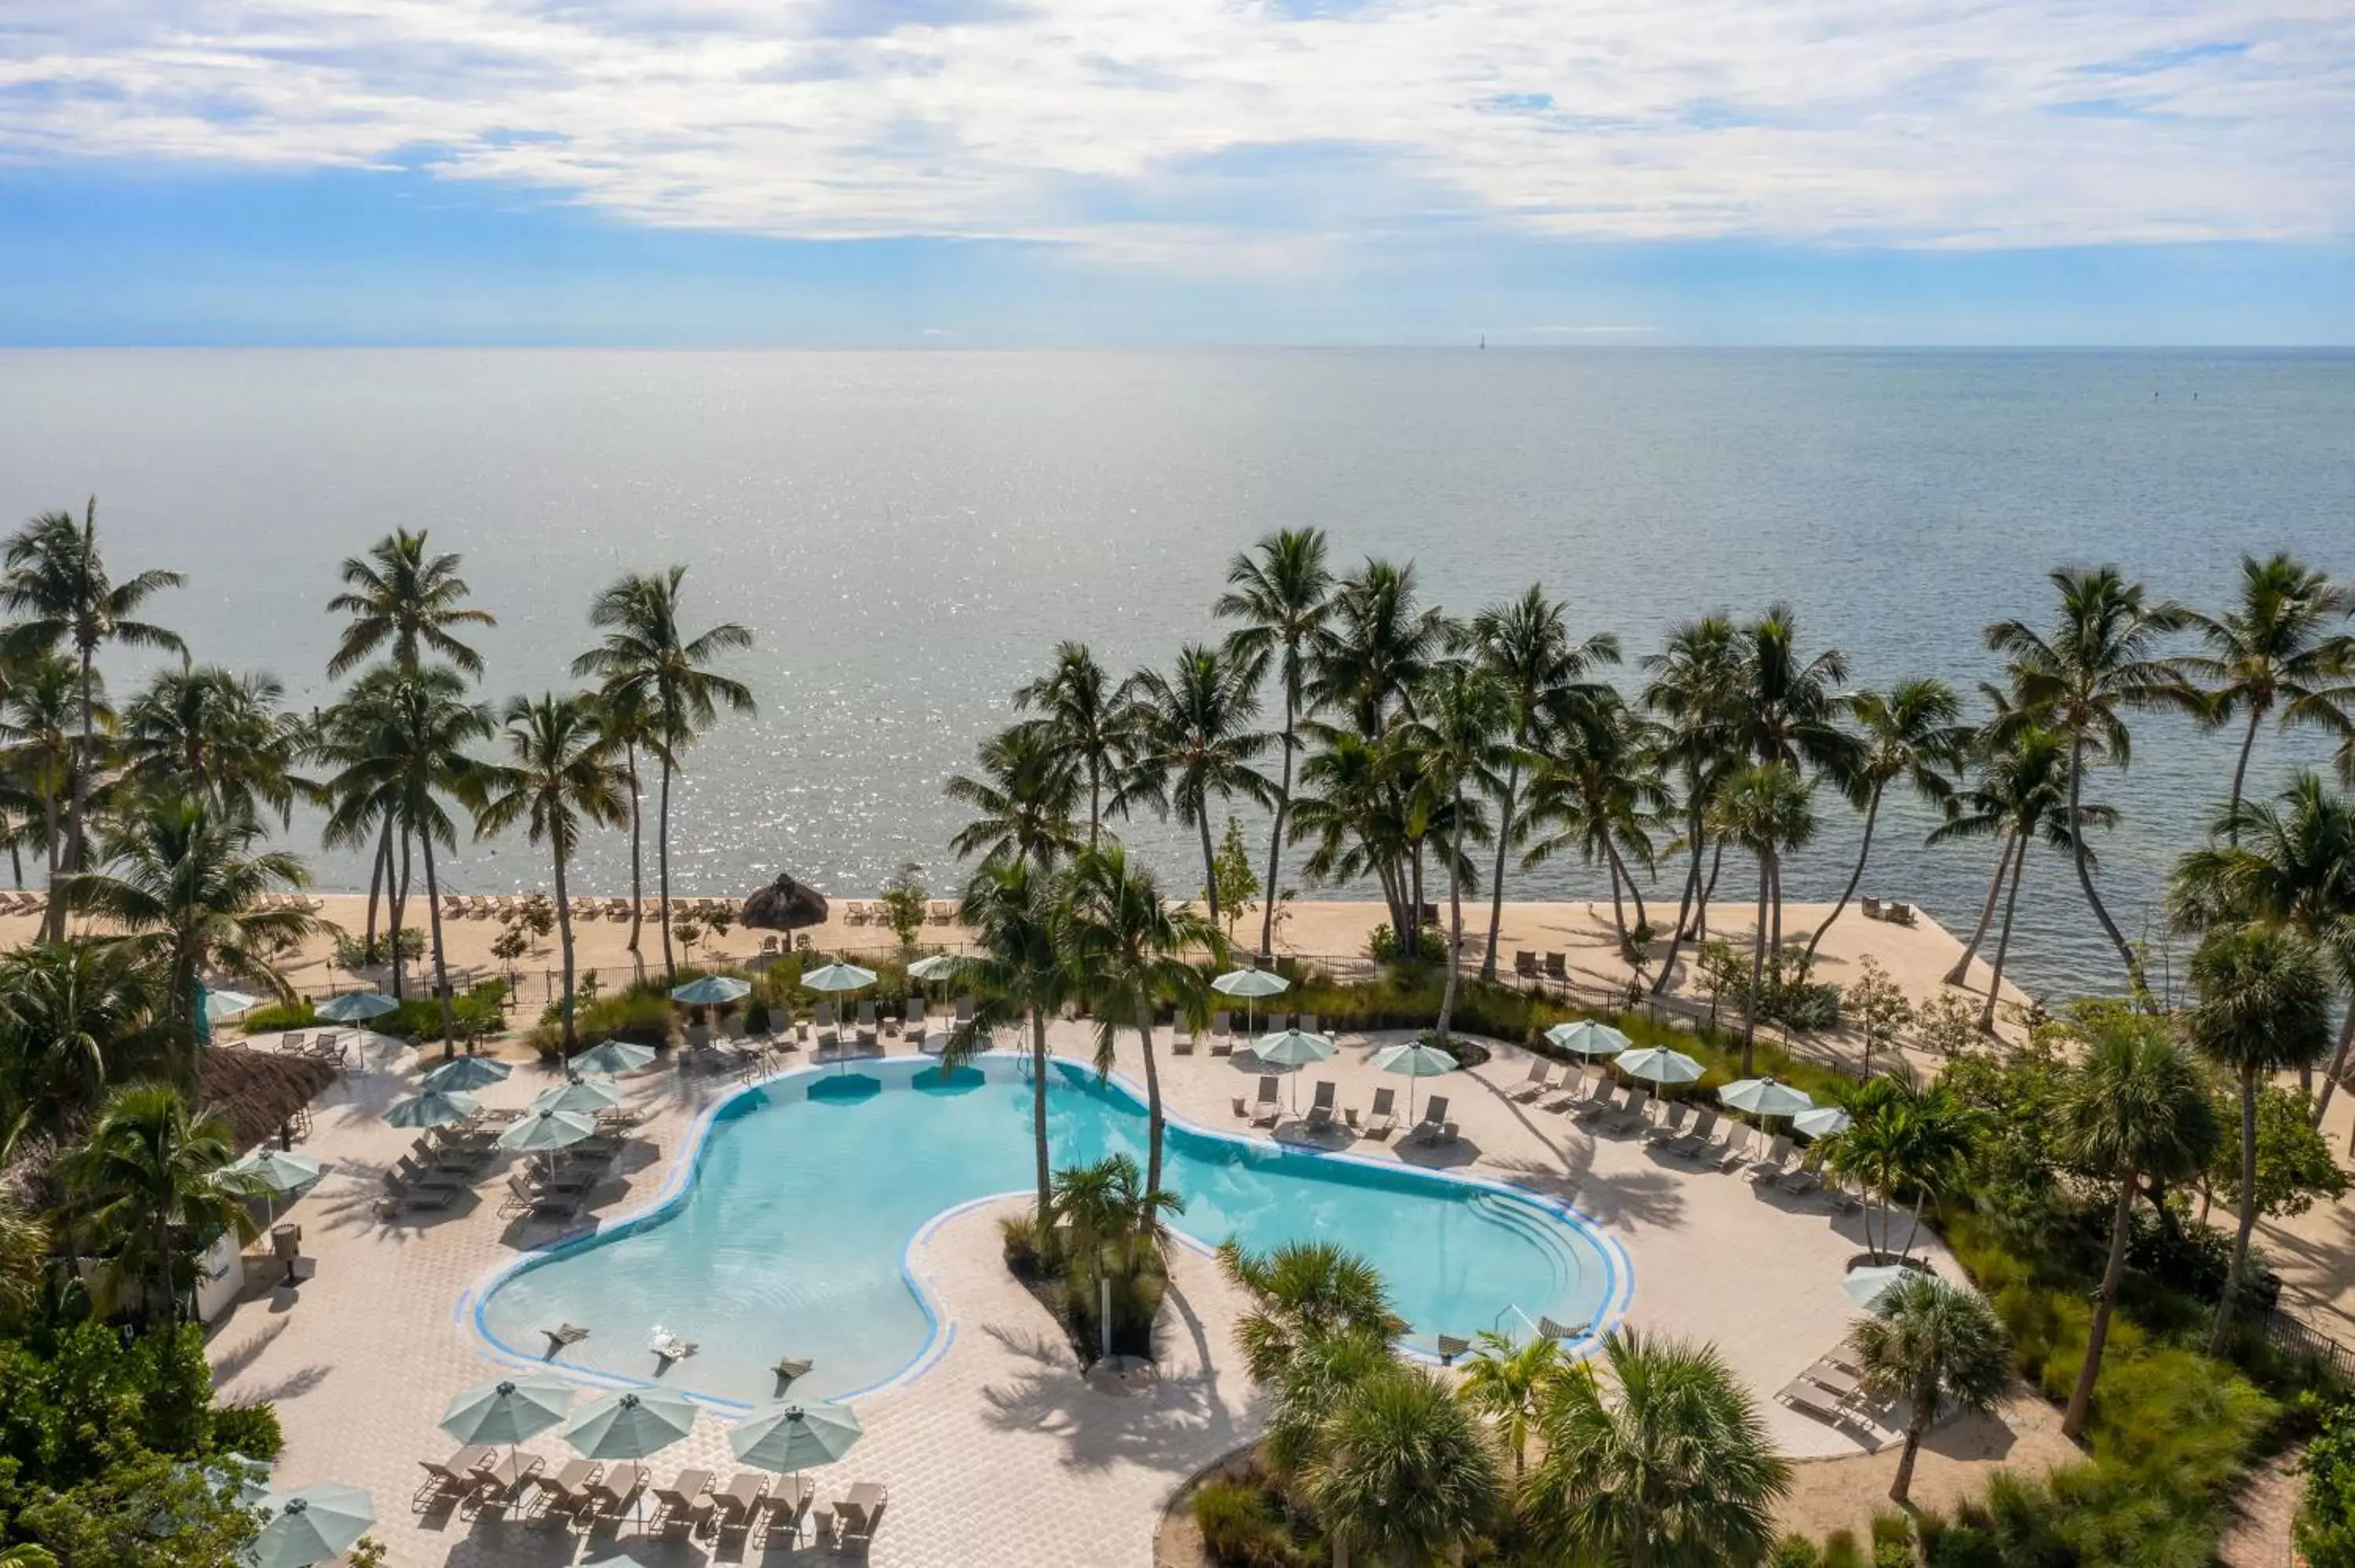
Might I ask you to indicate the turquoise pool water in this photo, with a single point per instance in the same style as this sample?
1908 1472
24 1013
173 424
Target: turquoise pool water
791 1236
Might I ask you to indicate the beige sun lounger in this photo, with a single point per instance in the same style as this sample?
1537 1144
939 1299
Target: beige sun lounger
613 1494
1631 1115
1383 1120
566 1493
684 1505
1807 1177
865 1024
455 1477
1222 1033
1435 1119
1600 1102
506 1482
1577 1087
1690 1142
732 1511
858 1513
1267 1111
1670 1127
1320 1109
1540 1080
1778 1154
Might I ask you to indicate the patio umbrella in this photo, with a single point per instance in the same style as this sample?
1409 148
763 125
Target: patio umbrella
276 1172
793 1438
466 1072
544 1131
356 1007
1821 1121
1416 1060
630 1426
939 967
613 1056
508 1409
584 1096
1661 1065
1293 1048
838 978
434 1107
1868 1287
1588 1038
236 1469
1764 1097
221 1004
614 1563
713 990
1251 985
312 1524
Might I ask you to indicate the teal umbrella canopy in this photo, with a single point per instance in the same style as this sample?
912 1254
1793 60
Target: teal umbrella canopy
614 1563
585 1096
630 1426
507 1410
466 1072
1820 1122
713 990
1588 1038
1416 1060
357 1007
434 1107
1660 1066
1250 983
239 1477
839 977
613 1056
276 1169
794 1437
939 967
221 1004
310 1525
1765 1096
546 1131
1293 1048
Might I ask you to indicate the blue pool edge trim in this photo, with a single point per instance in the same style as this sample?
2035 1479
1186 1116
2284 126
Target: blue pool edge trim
1618 1294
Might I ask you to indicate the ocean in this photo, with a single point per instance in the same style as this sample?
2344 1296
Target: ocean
909 534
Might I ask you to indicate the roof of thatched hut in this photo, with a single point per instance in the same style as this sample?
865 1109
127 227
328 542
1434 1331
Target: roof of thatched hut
783 905
255 1092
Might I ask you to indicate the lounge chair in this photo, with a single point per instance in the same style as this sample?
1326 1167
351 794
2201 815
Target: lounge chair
865 1024
1578 1085
1434 1116
1734 1153
1557 965
1670 1127
1181 1038
1308 1023
1525 964
1631 1115
858 1513
451 1479
506 1482
854 913
562 1496
1320 1109
1842 1196
829 1033
1778 1154
1222 1034
788 1500
400 1194
943 913
1277 1022
1690 1142
1871 907
1540 1080
1383 1120
1267 1110
1550 1329
912 1021
556 1205
613 1494
1802 1395
1600 1103
1807 1177
684 1504
1899 914
733 1510
963 1010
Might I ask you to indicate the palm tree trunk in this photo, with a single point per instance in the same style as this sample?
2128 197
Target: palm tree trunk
441 960
1962 969
2337 1061
1496 879
2241 772
1455 922
1701 915
1095 799
85 758
637 853
1679 937
2086 873
2081 1398
2003 942
1152 1099
1210 861
1276 834
1863 853
564 943
1618 910
662 870
1903 1481
2248 1204
400 902
377 868
1757 972
1038 1128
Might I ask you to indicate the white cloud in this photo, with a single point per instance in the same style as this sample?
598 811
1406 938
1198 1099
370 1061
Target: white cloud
1145 128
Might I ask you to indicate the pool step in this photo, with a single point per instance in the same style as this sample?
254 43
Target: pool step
1542 1233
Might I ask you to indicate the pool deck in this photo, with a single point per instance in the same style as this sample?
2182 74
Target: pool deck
997 1453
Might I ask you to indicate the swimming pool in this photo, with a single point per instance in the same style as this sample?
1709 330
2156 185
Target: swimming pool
790 1234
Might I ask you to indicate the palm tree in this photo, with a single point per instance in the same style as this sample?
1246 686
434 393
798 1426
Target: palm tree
1197 746
72 1016
1302 1292
1901 1137
1375 647
1789 712
626 721
2280 645
1283 596
1463 713
1769 810
1666 1462
2264 1007
1088 722
1909 732
644 650
55 578
1526 644
2098 663
1353 810
149 1192
558 780
1695 684
1130 955
1598 790
1016 915
1113 1215
188 896
210 729
398 594
25 1245
38 724
2135 1106
1023 800
1934 1347
1503 1381
1405 1470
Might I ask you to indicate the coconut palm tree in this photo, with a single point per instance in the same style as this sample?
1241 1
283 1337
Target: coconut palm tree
40 716
1302 1292
1597 792
1695 684
1196 744
399 594
1352 810
2283 645
207 728
558 781
1116 1218
1130 955
186 895
645 650
2135 1106
2264 1007
1464 715
1936 1348
1023 800
1526 644
1375 647
1405 1470
1504 1381
1282 593
1089 721
73 1018
149 1190
52 575
1910 733
1768 810
1654 1459
1015 912
2098 663
1902 1138
626 723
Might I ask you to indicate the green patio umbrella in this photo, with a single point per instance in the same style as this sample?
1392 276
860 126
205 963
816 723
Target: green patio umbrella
434 1107
226 1005
312 1524
1415 1060
545 1131
1820 1121
1293 1048
793 1438
630 1426
713 990
1764 1097
585 1096
1588 1038
357 1007
939 967
235 1470
1251 985
466 1072
507 1410
613 1056
276 1172
1661 1065
614 1563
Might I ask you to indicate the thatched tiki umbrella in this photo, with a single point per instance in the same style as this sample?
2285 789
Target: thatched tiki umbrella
785 904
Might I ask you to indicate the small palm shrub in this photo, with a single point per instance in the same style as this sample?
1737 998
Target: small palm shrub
1241 1528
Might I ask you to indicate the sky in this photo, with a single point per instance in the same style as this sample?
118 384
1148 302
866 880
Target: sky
1569 173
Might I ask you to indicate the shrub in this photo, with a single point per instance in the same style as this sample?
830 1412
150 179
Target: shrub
903 904
1795 1551
756 1015
631 1015
1020 1235
1840 1551
1241 1529
278 1016
248 1429
2325 1530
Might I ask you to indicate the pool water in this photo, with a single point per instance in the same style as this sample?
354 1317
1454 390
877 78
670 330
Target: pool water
790 1238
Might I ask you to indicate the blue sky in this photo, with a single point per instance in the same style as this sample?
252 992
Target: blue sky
942 172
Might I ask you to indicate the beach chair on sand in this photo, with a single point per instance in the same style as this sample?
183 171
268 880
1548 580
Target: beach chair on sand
1266 1110
1691 1140
1320 1109
1670 1127
1807 1177
1557 965
1383 1120
1222 1034
858 1514
1631 1115
1525 964
1540 1080
1434 1116
682 1506
1768 1167
1600 1102
1871 907
943 913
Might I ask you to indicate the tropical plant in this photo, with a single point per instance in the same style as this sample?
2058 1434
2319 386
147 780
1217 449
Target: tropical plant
647 653
1464 711
1503 1381
1375 647
1934 1347
1196 745
72 1016
1404 1471
1598 790
627 721
398 594
1022 800
903 904
1902 1138
2280 646
39 715
1695 684
1876 1006
1302 1292
204 728
1654 1459
1911 733
1233 884
1767 809
1016 912
148 1191
1089 723
1115 1216
1354 809
52 575
558 779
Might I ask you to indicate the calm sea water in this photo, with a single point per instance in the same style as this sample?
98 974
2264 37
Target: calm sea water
909 534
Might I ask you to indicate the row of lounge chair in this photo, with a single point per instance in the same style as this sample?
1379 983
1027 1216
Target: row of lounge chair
1266 1109
1832 1390
1221 1036
1525 965
585 1493
1894 911
23 903
938 912
289 903
507 906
